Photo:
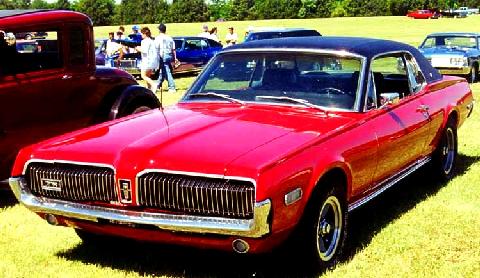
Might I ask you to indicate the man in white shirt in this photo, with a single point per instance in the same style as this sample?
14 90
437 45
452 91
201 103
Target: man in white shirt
111 49
231 38
205 33
166 50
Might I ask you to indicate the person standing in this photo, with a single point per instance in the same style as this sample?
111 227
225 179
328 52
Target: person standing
166 50
205 33
111 50
150 62
214 34
231 38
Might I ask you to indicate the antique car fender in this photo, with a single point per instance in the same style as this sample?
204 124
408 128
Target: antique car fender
133 99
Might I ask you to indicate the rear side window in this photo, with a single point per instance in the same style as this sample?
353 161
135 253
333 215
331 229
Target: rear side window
77 47
35 50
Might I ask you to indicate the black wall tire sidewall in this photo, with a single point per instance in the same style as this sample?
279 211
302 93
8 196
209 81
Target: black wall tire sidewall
438 157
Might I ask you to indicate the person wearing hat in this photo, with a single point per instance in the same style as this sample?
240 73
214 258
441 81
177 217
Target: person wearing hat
205 33
231 38
135 35
166 50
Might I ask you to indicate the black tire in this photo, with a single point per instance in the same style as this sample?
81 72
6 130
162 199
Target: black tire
445 156
134 107
473 75
325 225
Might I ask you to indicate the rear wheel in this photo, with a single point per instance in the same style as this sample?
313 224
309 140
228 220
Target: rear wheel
445 156
325 226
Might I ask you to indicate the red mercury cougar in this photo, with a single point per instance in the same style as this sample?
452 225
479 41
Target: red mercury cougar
274 136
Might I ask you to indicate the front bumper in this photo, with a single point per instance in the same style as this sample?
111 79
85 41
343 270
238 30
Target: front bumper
252 228
454 70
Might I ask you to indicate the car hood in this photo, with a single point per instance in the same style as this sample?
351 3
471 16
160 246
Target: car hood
448 51
202 138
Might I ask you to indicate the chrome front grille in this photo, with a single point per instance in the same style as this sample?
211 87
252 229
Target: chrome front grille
72 182
196 195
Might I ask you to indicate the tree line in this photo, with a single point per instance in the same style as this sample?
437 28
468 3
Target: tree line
108 12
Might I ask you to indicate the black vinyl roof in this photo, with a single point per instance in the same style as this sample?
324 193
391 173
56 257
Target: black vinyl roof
366 47
8 13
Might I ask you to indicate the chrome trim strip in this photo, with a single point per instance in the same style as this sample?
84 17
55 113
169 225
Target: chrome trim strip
192 174
389 183
255 228
66 162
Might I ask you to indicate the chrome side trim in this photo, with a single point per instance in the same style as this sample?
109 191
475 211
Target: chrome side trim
254 228
386 184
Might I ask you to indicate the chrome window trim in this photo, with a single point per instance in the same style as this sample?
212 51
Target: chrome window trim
342 53
402 52
254 228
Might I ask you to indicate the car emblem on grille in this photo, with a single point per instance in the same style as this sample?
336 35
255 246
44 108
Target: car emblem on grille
51 185
125 191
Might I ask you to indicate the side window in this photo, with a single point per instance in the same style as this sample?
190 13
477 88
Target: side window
76 46
34 50
204 44
191 45
390 75
415 76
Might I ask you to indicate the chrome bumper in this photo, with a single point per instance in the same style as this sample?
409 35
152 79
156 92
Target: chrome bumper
452 70
254 228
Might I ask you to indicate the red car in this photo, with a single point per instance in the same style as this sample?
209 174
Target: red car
423 14
51 86
274 136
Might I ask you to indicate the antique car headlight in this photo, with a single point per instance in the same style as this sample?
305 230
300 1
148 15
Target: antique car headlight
459 61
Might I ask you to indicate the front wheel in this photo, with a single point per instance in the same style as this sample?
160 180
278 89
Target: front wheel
326 227
473 75
445 156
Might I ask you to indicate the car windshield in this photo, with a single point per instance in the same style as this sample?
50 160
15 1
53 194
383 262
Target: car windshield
450 41
322 80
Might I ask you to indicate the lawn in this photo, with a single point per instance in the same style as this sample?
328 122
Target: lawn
418 229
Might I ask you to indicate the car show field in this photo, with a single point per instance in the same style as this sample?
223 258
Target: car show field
420 228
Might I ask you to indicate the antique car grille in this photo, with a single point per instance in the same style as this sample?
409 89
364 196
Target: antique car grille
72 182
196 195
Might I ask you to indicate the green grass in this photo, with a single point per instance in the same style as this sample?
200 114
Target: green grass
418 229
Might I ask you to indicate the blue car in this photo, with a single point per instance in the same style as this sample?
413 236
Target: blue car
192 52
453 53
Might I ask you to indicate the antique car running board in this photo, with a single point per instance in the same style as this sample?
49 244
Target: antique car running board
389 182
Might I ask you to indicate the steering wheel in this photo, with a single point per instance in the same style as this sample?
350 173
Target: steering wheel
332 90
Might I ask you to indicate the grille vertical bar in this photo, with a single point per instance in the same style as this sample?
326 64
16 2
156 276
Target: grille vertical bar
196 195
72 182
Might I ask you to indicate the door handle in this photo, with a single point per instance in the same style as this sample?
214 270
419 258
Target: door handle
66 76
423 108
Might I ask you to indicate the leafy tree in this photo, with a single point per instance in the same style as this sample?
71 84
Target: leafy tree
188 11
100 11
62 5
219 9
242 10
40 4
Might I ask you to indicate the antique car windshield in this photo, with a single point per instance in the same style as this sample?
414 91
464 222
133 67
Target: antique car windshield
450 42
328 81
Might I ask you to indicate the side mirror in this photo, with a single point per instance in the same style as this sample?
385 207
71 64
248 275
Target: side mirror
389 99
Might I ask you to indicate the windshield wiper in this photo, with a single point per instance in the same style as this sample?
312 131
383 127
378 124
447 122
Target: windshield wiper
293 100
222 96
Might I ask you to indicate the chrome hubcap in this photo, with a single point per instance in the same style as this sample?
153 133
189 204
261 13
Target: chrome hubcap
329 228
448 151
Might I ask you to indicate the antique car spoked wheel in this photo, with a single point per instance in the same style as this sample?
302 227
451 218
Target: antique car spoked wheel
329 228
448 150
